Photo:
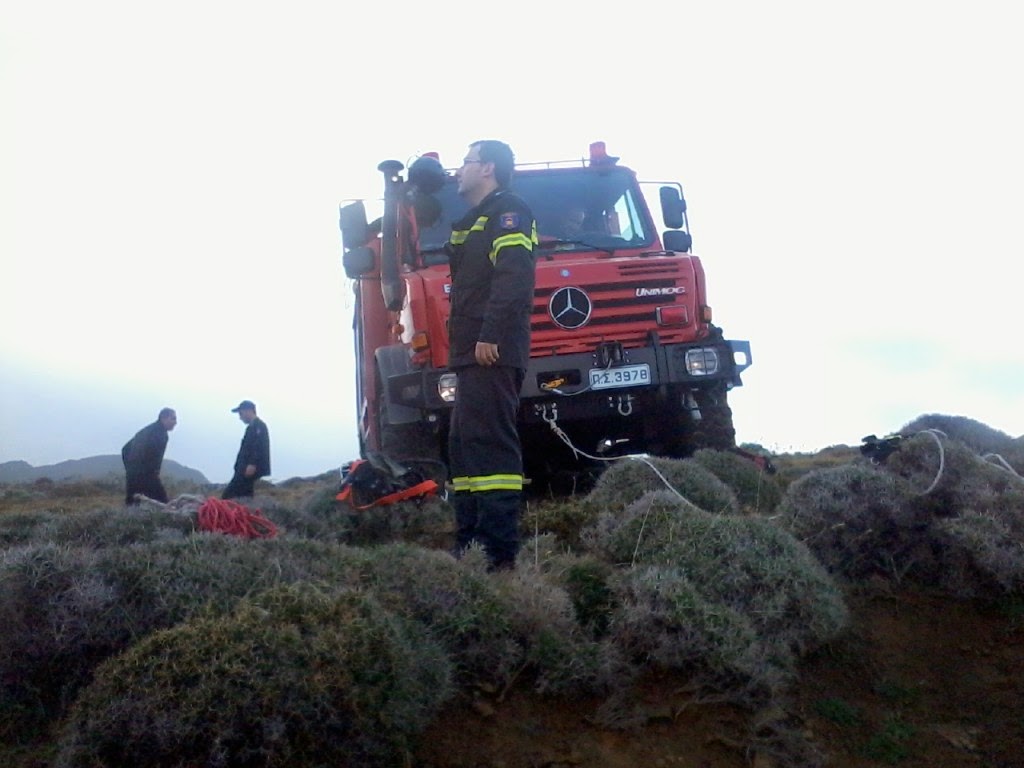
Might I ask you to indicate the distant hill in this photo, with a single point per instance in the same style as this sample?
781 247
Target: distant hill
91 468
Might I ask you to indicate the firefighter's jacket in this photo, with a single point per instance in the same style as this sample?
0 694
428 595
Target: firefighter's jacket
255 449
491 253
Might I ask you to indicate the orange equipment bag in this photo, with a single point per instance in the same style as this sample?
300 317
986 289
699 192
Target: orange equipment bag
378 480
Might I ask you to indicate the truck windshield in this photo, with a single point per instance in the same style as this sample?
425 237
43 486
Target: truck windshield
576 208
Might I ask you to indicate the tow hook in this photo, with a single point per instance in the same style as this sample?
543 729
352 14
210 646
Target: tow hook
691 405
622 403
547 411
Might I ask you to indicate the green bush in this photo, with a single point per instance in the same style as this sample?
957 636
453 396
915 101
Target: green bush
293 677
563 517
858 520
756 490
586 580
627 480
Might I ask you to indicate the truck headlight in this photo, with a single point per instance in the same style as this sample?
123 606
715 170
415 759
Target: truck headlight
702 361
446 386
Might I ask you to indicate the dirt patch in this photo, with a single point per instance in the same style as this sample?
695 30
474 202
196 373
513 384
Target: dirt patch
919 680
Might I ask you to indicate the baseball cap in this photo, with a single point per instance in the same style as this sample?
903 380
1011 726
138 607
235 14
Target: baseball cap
245 405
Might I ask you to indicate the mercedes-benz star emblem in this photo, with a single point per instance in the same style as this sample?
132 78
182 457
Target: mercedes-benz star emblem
569 307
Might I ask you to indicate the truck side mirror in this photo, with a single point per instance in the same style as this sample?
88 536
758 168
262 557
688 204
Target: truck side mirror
358 261
355 232
673 207
677 240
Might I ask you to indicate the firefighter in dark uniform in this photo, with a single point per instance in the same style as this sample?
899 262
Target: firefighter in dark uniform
253 460
492 267
143 456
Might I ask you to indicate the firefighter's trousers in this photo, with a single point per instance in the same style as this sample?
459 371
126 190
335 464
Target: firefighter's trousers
486 460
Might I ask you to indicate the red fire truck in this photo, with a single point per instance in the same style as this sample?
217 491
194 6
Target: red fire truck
624 355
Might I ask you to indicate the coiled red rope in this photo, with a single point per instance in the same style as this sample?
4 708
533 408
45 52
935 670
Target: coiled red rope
226 516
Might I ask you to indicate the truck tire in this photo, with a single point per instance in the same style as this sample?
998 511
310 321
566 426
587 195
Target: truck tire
714 429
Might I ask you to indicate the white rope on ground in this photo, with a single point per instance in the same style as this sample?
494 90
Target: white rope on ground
942 459
185 504
641 457
995 458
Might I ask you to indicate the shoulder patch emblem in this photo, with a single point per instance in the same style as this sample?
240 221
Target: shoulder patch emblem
509 220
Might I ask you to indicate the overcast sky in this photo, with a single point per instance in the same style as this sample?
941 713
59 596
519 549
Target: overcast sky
170 176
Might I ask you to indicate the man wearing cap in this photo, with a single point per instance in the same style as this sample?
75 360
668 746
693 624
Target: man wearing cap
253 460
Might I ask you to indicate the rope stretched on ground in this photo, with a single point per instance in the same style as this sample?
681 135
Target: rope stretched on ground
226 516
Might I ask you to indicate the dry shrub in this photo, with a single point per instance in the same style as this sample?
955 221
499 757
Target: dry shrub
494 627
749 564
50 601
562 517
935 513
628 479
428 522
857 520
985 552
639 531
293 677
319 516
665 619
980 438
755 597
976 506
558 654
66 609
20 528
18 496
456 601
95 528
948 477
756 490
586 579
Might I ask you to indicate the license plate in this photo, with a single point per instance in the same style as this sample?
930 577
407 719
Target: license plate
623 376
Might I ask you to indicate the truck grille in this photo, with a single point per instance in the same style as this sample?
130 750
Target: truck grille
617 312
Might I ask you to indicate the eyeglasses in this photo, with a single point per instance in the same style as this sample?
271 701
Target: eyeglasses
467 161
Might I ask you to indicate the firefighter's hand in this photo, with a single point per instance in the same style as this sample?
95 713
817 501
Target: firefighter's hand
250 470
486 354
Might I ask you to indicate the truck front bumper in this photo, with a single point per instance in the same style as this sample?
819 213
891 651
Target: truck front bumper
606 372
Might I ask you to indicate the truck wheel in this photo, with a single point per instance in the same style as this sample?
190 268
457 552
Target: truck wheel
714 429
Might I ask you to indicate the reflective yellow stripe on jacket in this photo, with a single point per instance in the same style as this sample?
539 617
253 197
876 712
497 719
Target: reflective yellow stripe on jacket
488 483
459 235
514 238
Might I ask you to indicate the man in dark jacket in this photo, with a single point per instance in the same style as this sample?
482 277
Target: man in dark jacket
253 460
143 456
492 267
